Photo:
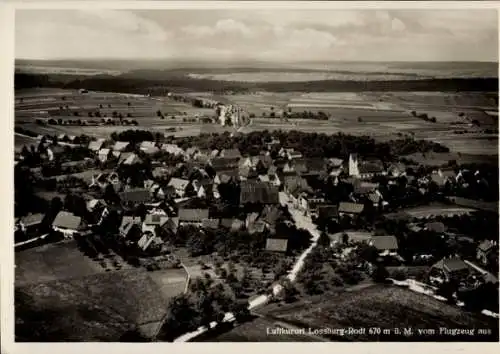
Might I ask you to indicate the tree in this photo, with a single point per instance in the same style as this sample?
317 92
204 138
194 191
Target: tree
181 315
240 310
324 240
380 274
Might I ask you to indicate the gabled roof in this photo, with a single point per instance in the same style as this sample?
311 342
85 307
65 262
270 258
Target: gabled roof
104 152
385 242
210 223
276 245
256 227
91 204
335 162
132 159
328 211
171 225
271 214
224 163
230 153
435 226
296 184
361 187
258 192
370 167
173 149
96 145
32 219
192 215
128 222
120 145
486 246
451 264
155 219
351 208
146 240
160 172
138 195
67 220
147 145
178 183
439 180
374 197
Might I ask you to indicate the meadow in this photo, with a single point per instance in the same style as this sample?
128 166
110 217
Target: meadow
58 278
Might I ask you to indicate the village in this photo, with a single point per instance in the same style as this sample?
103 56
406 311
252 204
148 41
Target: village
146 200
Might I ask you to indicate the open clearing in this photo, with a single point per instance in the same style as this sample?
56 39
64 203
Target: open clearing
57 278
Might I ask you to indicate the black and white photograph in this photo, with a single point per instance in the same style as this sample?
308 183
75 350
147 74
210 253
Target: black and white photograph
254 174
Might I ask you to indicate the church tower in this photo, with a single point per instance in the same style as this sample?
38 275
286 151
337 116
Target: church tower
353 165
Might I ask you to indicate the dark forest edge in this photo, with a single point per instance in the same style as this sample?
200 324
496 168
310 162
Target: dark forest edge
159 82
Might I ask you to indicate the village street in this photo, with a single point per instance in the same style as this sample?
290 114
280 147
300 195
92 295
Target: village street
301 221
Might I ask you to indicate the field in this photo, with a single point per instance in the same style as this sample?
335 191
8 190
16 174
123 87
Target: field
383 115
57 278
385 307
432 211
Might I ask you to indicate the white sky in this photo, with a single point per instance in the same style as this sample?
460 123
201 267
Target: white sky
281 35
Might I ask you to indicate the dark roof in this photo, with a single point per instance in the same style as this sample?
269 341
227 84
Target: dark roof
139 195
193 215
33 219
223 163
210 223
486 245
452 264
232 153
67 220
370 167
350 208
276 245
155 219
233 224
328 211
129 222
295 184
385 242
258 192
256 227
315 165
435 226
271 214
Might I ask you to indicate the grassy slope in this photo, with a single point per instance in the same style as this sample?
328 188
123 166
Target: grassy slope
65 296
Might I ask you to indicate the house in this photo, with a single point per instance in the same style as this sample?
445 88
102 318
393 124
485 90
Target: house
232 224
212 224
130 227
272 179
121 146
230 153
328 212
386 245
351 209
192 216
152 221
276 245
448 269
270 215
30 224
171 226
250 219
191 152
62 137
161 172
96 145
207 190
309 203
365 169
180 185
224 164
436 226
225 177
104 154
486 251
68 224
396 170
173 149
257 226
247 172
149 147
136 196
147 240
258 192
131 159
104 179
290 153
294 185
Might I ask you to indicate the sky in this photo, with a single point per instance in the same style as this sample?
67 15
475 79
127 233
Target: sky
266 35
